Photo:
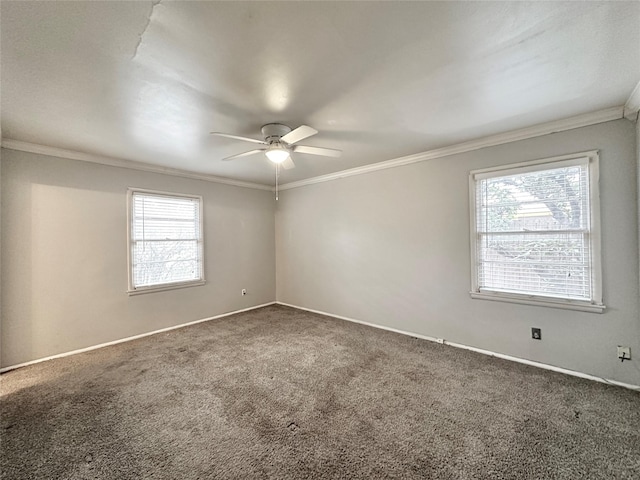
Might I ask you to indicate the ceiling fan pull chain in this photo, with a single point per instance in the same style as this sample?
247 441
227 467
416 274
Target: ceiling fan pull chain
277 175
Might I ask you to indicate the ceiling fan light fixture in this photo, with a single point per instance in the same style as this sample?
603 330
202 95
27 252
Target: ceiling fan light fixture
280 141
277 153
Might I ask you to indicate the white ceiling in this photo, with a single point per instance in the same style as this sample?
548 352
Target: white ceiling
147 81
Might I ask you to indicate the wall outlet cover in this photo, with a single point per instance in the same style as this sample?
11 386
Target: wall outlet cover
624 352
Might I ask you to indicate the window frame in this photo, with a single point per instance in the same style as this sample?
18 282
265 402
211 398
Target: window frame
132 290
594 305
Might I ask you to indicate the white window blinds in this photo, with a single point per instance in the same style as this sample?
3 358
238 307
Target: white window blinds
533 231
165 239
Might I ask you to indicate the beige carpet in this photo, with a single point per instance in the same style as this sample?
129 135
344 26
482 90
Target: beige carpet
281 393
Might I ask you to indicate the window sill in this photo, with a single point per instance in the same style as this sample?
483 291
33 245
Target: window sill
162 288
539 301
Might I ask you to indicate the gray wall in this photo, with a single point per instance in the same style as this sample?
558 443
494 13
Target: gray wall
392 248
64 255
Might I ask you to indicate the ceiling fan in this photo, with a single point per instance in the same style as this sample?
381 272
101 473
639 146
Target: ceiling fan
279 142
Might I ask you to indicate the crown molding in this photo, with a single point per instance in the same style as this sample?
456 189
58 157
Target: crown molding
632 106
118 162
593 118
584 120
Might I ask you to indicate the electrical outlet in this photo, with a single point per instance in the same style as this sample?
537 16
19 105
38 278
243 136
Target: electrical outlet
624 353
244 292
536 333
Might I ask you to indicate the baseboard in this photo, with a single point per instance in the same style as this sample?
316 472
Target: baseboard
544 366
128 339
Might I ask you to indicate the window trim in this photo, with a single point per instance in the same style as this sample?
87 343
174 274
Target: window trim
596 304
131 290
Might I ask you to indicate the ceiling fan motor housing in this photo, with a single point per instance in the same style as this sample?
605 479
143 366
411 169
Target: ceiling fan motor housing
274 131
281 141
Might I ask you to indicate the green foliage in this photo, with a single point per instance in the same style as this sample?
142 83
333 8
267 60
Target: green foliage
503 208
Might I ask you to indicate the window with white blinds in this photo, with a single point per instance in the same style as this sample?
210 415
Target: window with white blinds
535 232
165 240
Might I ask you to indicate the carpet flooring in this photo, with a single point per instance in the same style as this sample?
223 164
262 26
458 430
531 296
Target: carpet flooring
281 393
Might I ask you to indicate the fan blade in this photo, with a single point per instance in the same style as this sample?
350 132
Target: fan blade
246 139
300 133
244 154
288 164
327 152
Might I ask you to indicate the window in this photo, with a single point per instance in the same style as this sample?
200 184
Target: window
165 241
535 235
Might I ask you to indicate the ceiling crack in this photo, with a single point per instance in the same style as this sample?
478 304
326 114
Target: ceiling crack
154 4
